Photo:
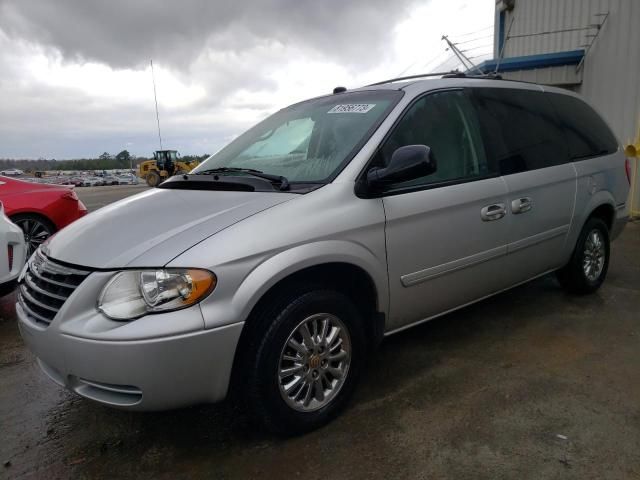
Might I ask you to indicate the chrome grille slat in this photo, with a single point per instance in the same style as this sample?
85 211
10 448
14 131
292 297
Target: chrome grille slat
26 295
33 286
53 282
45 287
31 312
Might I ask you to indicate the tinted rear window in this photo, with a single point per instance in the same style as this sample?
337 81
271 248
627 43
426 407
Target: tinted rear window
587 134
520 129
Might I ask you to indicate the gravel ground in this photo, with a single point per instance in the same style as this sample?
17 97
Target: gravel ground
96 197
532 383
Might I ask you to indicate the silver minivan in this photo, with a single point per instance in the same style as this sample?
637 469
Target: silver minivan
273 269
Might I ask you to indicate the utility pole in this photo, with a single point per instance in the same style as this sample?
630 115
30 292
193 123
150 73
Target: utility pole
461 56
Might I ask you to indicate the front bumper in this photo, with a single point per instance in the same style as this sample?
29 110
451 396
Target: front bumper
143 374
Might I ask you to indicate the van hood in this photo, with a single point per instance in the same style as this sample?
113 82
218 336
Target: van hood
153 227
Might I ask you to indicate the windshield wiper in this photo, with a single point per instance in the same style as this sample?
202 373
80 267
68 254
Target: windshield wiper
284 183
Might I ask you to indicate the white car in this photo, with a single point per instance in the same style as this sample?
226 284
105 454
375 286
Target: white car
92 181
12 172
11 242
128 180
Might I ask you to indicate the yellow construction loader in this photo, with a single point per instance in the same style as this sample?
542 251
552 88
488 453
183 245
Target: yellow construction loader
165 164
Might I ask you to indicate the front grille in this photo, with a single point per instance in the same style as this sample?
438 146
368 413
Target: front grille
45 286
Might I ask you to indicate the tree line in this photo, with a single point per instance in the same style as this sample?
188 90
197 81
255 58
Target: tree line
105 161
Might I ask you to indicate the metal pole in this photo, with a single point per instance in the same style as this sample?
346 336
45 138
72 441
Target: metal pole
155 97
598 27
504 44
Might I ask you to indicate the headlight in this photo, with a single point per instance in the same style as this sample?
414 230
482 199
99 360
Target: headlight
134 293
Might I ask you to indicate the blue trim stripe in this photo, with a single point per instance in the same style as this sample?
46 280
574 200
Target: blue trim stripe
529 62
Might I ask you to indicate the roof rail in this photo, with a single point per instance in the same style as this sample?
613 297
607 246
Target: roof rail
490 75
411 77
450 74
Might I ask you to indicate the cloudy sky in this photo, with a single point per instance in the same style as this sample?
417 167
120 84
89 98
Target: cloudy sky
75 78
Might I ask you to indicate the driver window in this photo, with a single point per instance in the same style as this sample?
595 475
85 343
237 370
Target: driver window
446 123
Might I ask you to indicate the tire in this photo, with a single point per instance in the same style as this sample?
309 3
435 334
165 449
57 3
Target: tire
589 262
269 352
36 229
153 179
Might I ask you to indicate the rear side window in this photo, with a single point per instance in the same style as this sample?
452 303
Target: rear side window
587 134
520 129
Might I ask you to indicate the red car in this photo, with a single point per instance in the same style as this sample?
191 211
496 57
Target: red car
38 209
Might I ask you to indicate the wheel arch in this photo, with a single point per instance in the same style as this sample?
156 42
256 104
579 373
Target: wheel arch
36 213
602 205
606 212
345 273
308 260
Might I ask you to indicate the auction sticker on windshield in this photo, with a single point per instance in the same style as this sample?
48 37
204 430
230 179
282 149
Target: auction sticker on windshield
352 108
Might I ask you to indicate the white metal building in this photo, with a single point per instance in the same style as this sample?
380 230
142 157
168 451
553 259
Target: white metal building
589 46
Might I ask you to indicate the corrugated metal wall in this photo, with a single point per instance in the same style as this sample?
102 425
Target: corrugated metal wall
535 16
611 70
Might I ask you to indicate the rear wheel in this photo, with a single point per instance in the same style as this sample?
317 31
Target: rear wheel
36 230
304 368
589 263
153 179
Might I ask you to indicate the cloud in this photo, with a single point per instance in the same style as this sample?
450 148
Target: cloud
76 79
126 34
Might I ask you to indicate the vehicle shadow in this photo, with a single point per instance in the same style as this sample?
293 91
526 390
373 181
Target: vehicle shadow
422 367
89 436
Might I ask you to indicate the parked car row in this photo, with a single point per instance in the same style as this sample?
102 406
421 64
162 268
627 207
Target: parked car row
96 181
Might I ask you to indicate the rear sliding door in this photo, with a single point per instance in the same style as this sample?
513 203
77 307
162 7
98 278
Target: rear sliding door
524 138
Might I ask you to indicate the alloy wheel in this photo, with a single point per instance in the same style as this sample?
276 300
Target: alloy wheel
314 362
35 233
593 255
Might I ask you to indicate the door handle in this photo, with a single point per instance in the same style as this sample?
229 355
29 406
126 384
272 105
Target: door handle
493 212
521 205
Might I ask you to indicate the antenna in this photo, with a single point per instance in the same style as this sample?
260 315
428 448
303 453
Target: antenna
155 97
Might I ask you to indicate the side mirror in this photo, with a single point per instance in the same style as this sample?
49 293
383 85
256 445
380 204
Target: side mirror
407 163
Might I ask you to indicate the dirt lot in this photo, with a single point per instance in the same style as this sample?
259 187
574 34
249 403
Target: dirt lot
530 384
96 197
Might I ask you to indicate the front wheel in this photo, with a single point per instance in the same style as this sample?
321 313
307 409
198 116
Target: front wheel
305 367
153 178
36 230
589 263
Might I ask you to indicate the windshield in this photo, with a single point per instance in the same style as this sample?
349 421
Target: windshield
309 141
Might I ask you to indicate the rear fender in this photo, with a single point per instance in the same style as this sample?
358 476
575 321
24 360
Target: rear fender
602 197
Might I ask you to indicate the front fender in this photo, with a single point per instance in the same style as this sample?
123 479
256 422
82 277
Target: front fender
236 303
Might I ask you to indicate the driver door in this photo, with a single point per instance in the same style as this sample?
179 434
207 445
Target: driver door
447 232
